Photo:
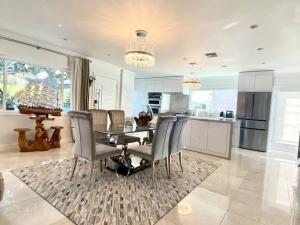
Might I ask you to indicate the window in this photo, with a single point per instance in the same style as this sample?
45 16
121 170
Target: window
212 102
67 92
34 85
291 122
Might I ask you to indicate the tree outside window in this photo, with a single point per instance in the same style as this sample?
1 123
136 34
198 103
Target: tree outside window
48 84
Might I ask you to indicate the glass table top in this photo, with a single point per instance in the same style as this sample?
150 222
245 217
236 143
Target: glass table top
118 129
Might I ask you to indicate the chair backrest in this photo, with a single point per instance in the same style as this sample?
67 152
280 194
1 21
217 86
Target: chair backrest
162 137
116 116
176 140
99 117
82 122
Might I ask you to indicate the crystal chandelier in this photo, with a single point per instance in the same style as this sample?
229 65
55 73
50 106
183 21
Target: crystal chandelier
190 81
139 54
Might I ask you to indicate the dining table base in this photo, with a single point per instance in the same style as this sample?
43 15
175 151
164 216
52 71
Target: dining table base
127 164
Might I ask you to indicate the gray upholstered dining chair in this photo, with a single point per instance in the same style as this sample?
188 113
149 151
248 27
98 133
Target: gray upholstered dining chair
100 120
118 117
85 145
160 145
176 145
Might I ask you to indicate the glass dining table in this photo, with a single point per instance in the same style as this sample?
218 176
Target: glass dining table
124 163
119 129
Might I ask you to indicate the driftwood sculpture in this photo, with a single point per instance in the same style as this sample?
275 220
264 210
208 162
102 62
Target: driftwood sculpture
41 140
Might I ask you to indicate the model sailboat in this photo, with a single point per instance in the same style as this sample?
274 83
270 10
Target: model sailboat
39 99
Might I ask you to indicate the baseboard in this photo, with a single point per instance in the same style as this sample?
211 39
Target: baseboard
15 146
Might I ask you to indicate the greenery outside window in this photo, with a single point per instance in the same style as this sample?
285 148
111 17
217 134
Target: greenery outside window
18 77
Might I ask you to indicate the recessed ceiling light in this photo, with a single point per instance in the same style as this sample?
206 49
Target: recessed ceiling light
259 49
59 25
65 39
107 54
224 66
192 63
184 58
263 63
253 26
211 55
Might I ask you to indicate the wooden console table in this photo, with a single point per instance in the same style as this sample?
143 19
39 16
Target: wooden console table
41 142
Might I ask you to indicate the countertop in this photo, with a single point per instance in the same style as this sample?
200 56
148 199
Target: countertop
214 119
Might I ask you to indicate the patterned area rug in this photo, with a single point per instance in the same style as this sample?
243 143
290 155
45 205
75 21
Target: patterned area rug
115 200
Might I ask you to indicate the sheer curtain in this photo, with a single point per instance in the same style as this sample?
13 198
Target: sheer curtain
79 73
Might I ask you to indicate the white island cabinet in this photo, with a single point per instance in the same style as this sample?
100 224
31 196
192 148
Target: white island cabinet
208 135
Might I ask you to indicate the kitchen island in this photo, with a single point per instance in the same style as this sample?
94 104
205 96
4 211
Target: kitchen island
207 135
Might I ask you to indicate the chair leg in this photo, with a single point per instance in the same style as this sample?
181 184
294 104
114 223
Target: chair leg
74 167
166 164
91 174
169 165
140 143
153 171
180 161
101 166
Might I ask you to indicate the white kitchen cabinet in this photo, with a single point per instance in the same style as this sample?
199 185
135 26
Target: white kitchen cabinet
172 85
218 138
256 81
154 85
246 82
166 84
186 138
263 83
198 139
208 136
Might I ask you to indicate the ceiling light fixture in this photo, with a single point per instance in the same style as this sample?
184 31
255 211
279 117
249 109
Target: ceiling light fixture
59 25
259 49
224 66
139 53
190 81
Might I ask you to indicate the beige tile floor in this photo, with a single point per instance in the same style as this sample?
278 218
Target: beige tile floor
251 189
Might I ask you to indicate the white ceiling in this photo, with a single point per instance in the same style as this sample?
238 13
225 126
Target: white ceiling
178 29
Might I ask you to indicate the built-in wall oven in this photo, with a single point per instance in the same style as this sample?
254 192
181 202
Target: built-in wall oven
154 101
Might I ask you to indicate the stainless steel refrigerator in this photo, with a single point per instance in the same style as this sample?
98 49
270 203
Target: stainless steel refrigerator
253 109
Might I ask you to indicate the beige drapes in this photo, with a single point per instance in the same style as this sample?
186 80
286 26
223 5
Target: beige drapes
79 73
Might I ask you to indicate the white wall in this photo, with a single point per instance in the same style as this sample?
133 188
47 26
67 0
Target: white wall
104 72
287 81
127 92
27 54
283 82
11 120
